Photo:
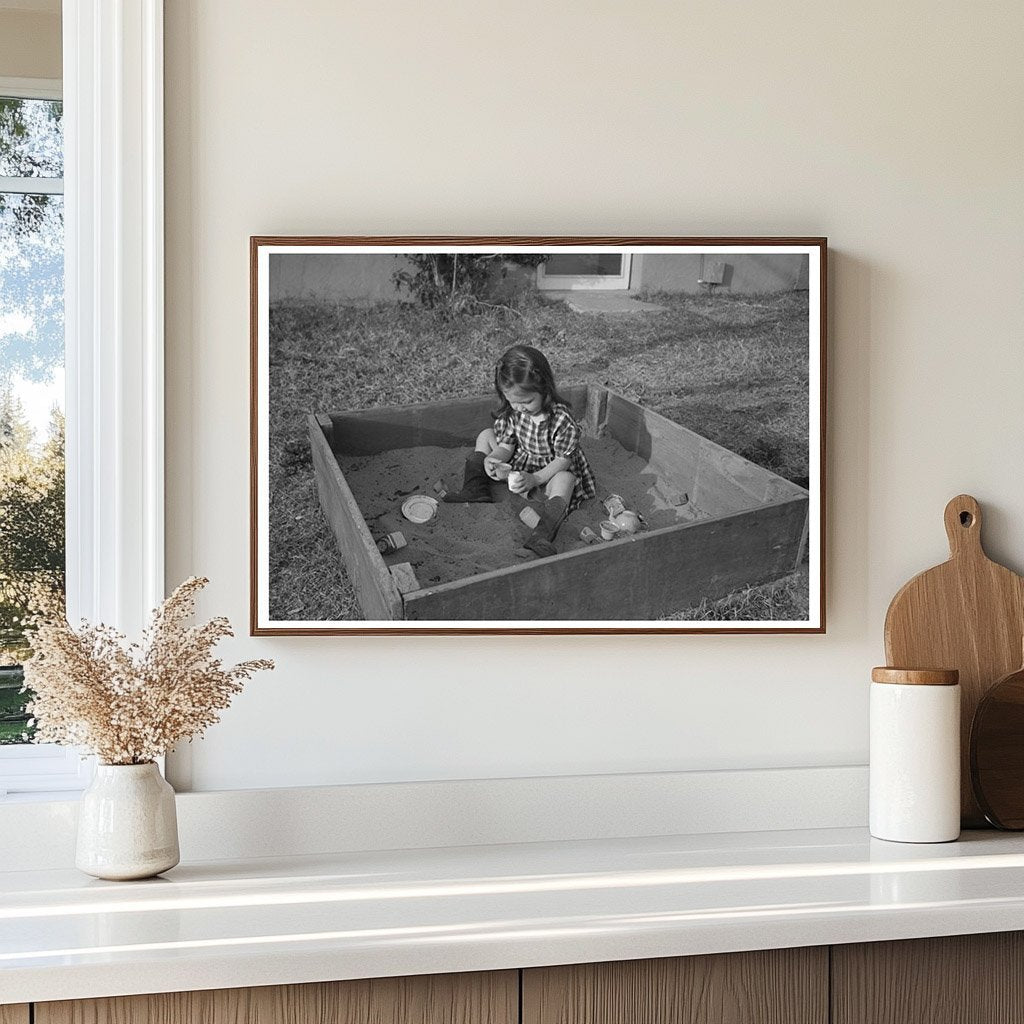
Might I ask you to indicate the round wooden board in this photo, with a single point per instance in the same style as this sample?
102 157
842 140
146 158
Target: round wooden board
997 752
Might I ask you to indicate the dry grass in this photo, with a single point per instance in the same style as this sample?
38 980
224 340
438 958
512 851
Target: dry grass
733 368
770 602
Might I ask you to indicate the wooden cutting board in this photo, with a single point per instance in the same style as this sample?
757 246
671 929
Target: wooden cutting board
967 614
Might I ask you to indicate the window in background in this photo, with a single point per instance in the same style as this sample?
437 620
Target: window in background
31 389
585 271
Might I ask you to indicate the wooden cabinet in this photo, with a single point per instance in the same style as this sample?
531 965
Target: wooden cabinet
480 998
776 986
966 979
961 979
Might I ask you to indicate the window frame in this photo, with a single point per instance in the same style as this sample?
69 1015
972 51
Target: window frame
112 90
587 282
38 767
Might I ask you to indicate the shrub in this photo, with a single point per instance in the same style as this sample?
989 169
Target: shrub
458 282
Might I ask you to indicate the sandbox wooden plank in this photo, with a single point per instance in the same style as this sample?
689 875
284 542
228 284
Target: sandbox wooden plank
726 482
718 480
375 588
645 577
578 396
596 410
671 450
450 424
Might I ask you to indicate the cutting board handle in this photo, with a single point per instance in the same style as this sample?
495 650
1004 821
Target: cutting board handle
963 527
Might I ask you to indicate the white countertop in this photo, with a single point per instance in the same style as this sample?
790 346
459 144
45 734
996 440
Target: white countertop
227 924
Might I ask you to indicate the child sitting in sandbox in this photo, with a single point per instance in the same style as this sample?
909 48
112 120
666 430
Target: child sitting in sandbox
535 443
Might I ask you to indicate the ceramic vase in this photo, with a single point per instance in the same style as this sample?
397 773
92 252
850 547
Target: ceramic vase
127 825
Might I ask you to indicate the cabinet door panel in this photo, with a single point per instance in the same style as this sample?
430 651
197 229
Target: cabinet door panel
14 1014
959 979
481 998
777 986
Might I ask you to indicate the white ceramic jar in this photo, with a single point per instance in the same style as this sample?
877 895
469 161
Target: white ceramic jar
127 823
915 755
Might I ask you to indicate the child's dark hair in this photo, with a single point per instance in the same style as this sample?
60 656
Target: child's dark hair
528 368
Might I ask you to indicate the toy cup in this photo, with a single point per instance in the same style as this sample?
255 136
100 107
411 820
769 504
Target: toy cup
515 479
609 531
501 470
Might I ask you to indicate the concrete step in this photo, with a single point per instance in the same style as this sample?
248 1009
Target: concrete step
612 302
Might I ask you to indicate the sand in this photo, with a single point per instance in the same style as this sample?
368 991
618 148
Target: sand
463 540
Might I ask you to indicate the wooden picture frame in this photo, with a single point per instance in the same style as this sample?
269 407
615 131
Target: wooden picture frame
371 358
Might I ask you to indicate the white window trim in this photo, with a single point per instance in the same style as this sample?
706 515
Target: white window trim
31 186
32 88
113 167
42 768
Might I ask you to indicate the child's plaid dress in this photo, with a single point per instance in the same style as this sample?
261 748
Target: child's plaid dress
538 441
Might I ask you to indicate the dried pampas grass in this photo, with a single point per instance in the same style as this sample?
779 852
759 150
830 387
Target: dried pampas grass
130 703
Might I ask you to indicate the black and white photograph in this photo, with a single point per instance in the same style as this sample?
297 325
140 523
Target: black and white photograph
537 435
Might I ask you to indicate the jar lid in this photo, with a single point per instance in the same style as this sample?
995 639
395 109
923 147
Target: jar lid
916 676
420 508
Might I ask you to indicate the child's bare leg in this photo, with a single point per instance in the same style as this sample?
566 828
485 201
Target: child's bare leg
486 442
561 485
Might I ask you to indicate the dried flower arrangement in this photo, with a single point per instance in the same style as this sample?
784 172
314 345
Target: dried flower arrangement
130 703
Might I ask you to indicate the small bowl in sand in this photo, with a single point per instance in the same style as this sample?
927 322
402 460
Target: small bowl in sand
419 508
609 531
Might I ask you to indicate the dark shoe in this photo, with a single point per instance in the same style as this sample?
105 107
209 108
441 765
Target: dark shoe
552 513
476 484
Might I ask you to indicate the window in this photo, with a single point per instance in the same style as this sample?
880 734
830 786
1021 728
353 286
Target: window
572 271
32 534
113 332
31 375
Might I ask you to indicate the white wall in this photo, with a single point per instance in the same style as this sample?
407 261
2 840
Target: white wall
895 129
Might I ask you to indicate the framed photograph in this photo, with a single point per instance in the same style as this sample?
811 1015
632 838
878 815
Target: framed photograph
537 435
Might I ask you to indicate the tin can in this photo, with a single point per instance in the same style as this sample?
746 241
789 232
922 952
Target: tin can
587 535
391 543
515 478
614 504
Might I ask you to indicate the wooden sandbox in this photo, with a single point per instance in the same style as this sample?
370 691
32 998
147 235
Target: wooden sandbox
739 524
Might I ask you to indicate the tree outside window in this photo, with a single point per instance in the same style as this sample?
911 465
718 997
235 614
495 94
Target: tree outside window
31 386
